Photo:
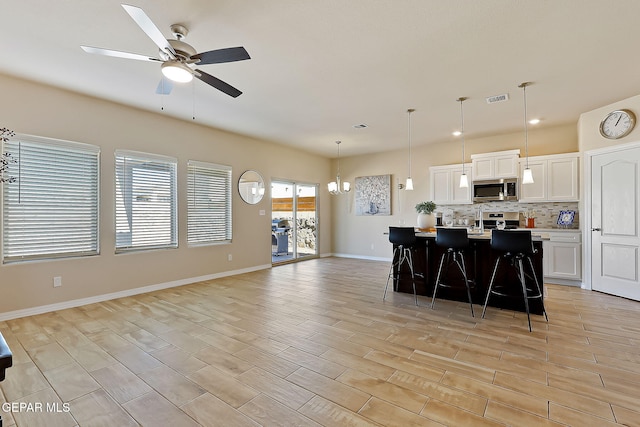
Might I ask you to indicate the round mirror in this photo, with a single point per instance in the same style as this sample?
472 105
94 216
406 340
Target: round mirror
251 187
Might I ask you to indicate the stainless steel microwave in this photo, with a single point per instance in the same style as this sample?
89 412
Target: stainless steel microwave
495 190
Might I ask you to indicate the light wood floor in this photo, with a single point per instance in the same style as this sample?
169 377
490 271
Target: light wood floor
313 344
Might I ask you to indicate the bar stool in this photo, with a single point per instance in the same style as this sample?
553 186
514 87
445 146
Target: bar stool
404 240
514 247
455 240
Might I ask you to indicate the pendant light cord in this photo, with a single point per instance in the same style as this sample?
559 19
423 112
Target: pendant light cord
526 132
410 110
462 130
338 142
461 100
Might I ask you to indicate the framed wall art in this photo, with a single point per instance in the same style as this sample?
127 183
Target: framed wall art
373 195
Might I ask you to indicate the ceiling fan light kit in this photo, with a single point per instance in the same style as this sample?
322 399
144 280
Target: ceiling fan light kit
177 71
176 55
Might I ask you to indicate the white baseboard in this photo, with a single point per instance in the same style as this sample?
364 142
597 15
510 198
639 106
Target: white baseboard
369 258
121 294
565 282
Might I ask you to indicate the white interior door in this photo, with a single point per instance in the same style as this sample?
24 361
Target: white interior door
615 186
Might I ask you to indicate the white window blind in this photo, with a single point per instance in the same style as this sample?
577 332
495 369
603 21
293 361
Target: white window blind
52 209
146 203
209 203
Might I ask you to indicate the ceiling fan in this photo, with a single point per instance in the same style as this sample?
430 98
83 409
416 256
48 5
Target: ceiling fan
176 56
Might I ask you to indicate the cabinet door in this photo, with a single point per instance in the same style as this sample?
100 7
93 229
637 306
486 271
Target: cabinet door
562 184
506 166
483 168
440 185
461 195
537 191
563 260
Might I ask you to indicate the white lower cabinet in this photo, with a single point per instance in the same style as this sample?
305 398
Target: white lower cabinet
562 258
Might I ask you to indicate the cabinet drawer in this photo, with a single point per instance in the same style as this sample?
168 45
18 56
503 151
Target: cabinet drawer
565 237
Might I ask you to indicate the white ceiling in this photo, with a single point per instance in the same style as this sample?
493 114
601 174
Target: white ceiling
319 67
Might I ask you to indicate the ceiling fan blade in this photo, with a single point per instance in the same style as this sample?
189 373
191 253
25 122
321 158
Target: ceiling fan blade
164 86
218 56
217 83
149 28
117 53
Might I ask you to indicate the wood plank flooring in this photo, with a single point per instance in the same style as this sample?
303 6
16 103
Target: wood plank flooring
314 344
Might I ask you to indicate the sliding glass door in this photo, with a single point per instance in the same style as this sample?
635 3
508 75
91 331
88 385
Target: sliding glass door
294 220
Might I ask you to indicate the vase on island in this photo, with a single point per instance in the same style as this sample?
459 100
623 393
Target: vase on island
426 221
426 218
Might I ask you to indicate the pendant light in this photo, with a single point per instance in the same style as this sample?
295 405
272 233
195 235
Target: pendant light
527 176
337 186
464 180
409 183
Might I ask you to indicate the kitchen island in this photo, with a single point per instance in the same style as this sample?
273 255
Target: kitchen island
479 261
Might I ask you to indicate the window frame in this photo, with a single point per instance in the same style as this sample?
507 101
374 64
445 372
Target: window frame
214 169
52 152
144 162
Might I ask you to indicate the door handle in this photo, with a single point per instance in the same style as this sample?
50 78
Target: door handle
596 229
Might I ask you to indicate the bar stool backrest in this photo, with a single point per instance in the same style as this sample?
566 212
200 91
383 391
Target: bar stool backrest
454 238
402 236
512 241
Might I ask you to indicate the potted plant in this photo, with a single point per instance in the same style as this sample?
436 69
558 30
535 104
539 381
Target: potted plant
425 214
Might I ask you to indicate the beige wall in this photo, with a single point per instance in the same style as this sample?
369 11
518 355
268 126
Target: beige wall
589 125
362 236
34 109
591 139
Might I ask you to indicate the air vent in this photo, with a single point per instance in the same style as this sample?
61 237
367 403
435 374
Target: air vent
498 98
360 126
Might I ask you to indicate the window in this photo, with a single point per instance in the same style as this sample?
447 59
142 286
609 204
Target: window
209 203
51 210
146 214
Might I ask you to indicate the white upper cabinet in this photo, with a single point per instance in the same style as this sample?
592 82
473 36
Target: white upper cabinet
555 179
440 182
445 185
537 191
502 164
563 179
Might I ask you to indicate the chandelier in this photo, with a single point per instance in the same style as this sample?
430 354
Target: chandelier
337 186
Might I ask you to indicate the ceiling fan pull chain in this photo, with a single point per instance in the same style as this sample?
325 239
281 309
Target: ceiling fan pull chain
162 97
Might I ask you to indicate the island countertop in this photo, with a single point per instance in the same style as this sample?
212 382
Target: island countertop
486 235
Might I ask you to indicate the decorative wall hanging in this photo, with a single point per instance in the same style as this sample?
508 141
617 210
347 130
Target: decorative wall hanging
6 159
373 195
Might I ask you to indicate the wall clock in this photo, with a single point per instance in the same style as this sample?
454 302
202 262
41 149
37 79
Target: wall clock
617 124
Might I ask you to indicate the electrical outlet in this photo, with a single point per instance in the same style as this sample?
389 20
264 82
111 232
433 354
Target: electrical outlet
57 281
229 257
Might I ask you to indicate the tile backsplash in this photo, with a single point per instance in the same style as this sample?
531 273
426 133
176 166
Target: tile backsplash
546 213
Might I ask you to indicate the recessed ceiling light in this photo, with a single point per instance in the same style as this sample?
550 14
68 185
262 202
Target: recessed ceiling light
456 133
360 126
534 121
